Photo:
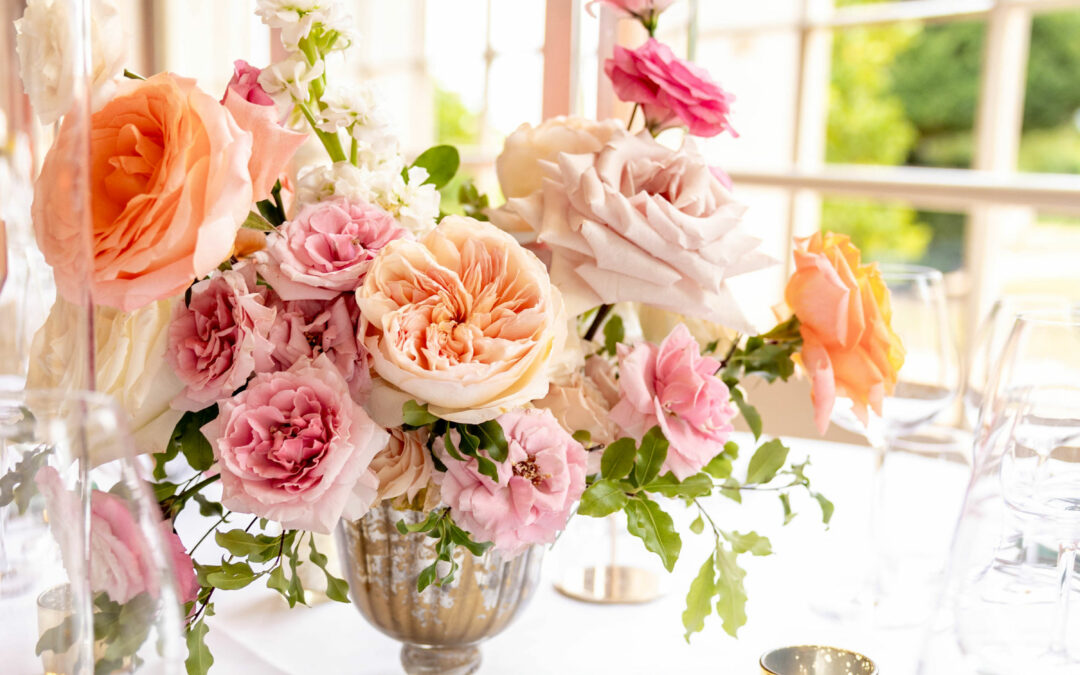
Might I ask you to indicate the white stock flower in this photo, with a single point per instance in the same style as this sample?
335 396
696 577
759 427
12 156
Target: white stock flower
292 76
417 204
45 39
296 18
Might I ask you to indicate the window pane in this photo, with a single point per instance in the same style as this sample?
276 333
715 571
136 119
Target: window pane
905 94
1039 254
517 26
1051 137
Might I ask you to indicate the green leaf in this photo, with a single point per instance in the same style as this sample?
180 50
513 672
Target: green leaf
751 542
698 526
441 163
767 460
827 507
189 438
618 459
336 589
699 598
243 544
582 436
164 490
59 638
255 221
694 486
462 538
730 592
492 440
749 412
731 490
426 577
472 202
18 484
416 415
231 576
199 658
785 501
603 498
208 508
163 458
650 456
614 333
486 467
647 521
425 525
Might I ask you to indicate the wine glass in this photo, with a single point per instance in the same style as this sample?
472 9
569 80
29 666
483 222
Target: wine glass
1009 606
98 587
990 341
926 386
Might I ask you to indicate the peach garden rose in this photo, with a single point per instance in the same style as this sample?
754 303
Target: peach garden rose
169 188
465 320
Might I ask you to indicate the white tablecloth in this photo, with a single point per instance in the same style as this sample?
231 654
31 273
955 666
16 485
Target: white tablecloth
254 631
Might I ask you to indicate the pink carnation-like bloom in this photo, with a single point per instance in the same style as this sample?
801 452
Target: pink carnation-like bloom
121 564
327 249
673 386
294 447
542 477
671 91
306 328
218 340
245 84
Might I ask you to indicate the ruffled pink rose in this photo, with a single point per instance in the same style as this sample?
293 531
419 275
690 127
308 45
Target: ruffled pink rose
272 144
404 466
542 477
169 187
327 249
672 92
465 320
639 222
675 387
306 328
220 338
121 563
295 448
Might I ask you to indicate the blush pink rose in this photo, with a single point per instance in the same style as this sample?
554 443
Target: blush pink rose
404 466
306 328
639 222
542 477
465 320
295 448
245 84
672 92
121 563
220 338
675 387
327 249
169 187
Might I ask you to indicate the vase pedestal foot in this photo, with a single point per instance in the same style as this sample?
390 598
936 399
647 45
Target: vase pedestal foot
440 660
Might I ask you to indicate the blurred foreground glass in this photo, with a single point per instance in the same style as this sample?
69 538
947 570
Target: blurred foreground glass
1010 606
926 386
95 589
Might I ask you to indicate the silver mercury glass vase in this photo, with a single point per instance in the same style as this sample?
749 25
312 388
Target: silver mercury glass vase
441 628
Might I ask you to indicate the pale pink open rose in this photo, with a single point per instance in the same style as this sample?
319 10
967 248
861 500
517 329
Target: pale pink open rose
169 187
219 338
672 92
295 448
306 328
639 222
542 477
326 249
673 386
404 466
121 562
272 144
518 165
465 320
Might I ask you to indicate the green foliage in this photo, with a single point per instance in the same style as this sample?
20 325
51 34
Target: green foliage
188 438
471 201
618 459
441 163
651 454
603 498
440 526
885 232
18 485
199 658
614 333
648 522
766 461
255 221
461 441
454 122
1054 150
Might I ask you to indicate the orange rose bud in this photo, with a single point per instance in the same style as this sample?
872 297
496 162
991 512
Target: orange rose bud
248 242
849 347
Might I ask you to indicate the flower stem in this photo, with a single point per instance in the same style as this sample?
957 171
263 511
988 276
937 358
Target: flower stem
600 316
198 486
633 116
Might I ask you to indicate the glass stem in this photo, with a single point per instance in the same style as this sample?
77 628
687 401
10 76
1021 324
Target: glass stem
1066 566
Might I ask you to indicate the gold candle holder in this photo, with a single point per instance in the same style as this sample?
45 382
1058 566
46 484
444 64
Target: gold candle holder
816 660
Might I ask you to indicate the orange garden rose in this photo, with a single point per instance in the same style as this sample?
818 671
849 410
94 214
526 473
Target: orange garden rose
169 188
849 347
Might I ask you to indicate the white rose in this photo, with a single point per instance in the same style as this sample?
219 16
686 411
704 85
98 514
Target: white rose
520 173
45 38
130 366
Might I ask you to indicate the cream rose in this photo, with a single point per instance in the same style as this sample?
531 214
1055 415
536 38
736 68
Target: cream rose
45 37
518 167
404 466
579 405
465 320
639 222
130 365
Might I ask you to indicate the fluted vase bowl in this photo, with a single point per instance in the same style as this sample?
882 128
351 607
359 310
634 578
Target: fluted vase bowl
442 627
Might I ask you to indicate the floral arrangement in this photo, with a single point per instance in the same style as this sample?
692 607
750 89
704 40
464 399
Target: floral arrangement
314 337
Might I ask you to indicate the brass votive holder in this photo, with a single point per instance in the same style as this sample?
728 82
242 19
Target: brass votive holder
816 660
